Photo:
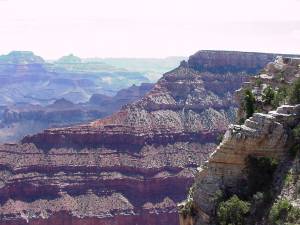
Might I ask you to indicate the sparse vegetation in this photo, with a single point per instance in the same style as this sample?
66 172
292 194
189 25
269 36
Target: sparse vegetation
283 212
250 202
280 97
249 103
268 95
233 211
275 98
288 179
188 207
294 95
258 82
260 173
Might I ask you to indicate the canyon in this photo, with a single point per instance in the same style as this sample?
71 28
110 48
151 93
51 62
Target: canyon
134 166
28 78
266 134
24 119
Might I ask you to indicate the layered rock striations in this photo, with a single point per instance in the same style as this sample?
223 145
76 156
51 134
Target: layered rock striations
266 134
130 168
183 106
27 119
231 61
263 135
276 78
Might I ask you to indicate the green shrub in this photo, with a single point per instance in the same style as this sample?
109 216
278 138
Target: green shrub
260 172
233 211
294 95
283 212
280 97
268 95
258 82
288 178
249 103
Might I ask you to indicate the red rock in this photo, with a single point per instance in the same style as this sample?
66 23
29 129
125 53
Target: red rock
130 168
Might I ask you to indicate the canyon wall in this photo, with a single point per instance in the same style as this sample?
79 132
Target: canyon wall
263 135
266 134
133 167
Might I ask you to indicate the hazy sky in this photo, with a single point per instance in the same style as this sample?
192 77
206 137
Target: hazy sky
148 28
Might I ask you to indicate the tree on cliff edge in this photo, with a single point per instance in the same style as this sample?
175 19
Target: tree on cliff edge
249 103
294 96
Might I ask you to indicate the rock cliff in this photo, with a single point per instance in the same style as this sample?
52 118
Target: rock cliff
130 168
270 86
264 135
230 61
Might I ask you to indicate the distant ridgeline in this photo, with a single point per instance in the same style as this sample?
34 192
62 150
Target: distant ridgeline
231 61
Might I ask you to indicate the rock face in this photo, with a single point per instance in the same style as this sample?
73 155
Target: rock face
130 168
230 61
278 75
261 135
266 134
184 105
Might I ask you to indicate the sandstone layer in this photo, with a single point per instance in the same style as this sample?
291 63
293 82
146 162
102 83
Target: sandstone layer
266 134
130 168
261 135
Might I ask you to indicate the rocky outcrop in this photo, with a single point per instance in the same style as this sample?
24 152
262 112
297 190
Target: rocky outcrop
265 134
261 135
129 168
184 105
94 185
231 61
278 75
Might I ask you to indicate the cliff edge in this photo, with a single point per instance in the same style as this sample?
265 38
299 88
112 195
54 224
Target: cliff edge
254 158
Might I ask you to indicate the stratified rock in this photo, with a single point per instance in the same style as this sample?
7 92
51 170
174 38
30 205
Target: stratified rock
261 135
231 61
264 134
185 105
27 119
130 168
279 74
